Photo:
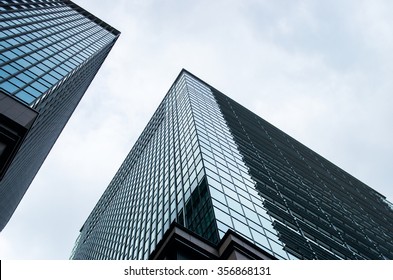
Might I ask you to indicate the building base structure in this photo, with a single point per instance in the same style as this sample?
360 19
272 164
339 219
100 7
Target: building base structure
179 243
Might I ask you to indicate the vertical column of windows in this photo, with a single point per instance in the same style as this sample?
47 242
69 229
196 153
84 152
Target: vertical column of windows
169 160
188 167
236 203
151 172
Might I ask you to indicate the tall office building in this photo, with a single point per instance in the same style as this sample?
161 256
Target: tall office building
209 179
50 50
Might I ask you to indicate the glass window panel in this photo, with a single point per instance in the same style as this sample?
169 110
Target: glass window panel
245 201
26 79
36 71
8 87
230 192
10 69
234 205
241 227
3 74
17 82
250 214
18 52
261 239
215 184
25 97
50 79
10 55
277 248
217 195
31 74
40 87
33 91
238 216
23 63
223 217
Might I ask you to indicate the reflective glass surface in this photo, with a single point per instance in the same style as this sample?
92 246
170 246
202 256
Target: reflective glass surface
209 164
41 44
162 180
49 53
318 210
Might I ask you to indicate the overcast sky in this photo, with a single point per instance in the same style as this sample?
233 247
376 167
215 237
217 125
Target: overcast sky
319 70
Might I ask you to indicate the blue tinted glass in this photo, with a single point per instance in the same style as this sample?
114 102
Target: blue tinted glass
61 71
36 56
3 74
50 64
25 38
16 82
26 79
36 70
25 97
12 42
11 70
8 87
2 35
31 74
30 59
9 55
43 67
4 45
23 62
40 87
50 79
56 75
33 91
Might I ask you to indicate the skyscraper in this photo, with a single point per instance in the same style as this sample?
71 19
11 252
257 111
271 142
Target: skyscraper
210 179
50 50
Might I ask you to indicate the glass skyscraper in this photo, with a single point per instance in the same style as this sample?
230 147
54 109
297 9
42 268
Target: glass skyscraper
206 168
50 50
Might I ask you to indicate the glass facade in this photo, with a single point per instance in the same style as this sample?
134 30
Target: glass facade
318 210
161 180
49 53
210 165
